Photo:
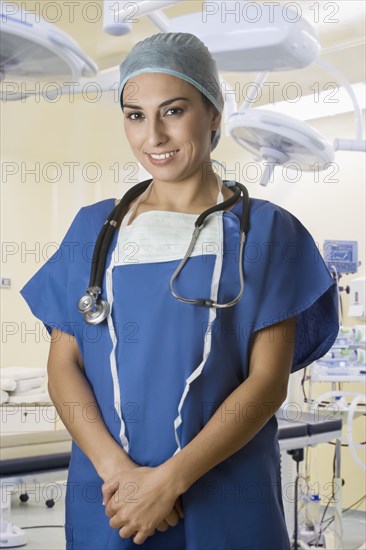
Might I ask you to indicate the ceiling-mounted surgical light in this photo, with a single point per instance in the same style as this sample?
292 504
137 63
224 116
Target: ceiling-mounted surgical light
279 139
35 50
256 37
262 37
118 15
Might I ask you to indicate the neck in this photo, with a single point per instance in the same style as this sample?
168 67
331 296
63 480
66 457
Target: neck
194 194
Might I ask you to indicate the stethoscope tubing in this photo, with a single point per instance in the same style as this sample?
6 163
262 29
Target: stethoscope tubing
244 227
105 236
88 304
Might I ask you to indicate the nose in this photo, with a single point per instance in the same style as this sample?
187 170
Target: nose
156 133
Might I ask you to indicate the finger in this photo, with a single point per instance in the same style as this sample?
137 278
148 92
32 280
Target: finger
179 507
114 503
140 536
116 522
112 506
108 490
125 532
107 498
172 518
163 526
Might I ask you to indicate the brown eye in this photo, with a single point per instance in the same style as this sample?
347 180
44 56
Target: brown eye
132 115
177 110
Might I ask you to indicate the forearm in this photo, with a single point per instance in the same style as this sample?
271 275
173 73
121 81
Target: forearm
75 402
243 413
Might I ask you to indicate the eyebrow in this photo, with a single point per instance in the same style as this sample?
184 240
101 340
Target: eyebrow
167 102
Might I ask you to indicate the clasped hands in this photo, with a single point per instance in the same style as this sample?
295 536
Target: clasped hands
139 499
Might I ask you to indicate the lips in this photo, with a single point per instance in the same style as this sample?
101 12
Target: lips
164 159
162 155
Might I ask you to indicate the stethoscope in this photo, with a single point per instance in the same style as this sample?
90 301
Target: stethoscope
95 309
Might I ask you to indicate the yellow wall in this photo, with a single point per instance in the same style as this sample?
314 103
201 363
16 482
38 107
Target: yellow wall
37 211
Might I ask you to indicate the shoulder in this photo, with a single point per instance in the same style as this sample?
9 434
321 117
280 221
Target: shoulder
91 217
262 207
263 212
97 209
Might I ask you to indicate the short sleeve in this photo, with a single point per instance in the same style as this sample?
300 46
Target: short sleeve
289 278
52 292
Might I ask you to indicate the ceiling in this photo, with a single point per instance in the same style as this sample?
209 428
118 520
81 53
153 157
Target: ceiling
340 26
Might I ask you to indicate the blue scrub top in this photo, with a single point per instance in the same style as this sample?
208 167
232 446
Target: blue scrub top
159 343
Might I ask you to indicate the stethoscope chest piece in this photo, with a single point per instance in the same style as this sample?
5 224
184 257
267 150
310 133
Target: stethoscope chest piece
94 310
86 303
100 312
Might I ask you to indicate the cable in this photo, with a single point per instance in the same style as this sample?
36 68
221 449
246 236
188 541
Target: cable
330 521
42 526
298 456
296 528
329 501
352 444
348 509
307 468
322 398
303 379
355 504
346 444
341 306
324 403
333 494
337 277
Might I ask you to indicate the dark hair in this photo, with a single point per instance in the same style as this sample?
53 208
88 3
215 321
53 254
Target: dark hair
206 101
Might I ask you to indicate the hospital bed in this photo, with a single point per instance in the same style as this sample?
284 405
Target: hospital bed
35 459
26 454
308 429
43 457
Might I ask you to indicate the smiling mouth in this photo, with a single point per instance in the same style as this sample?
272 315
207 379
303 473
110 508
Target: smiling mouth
163 156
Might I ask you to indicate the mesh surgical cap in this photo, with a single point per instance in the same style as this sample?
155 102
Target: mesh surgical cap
179 54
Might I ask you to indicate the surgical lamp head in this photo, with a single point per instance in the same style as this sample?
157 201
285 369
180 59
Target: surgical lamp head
179 54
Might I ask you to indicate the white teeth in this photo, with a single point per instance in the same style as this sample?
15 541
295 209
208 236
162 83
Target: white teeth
162 157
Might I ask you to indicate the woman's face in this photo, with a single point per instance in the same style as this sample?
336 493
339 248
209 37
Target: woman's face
165 114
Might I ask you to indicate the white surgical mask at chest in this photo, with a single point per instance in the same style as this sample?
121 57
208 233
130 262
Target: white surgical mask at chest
158 236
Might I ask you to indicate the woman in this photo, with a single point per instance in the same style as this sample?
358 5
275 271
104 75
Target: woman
173 404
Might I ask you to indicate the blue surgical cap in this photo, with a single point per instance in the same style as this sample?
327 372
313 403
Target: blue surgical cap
179 54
